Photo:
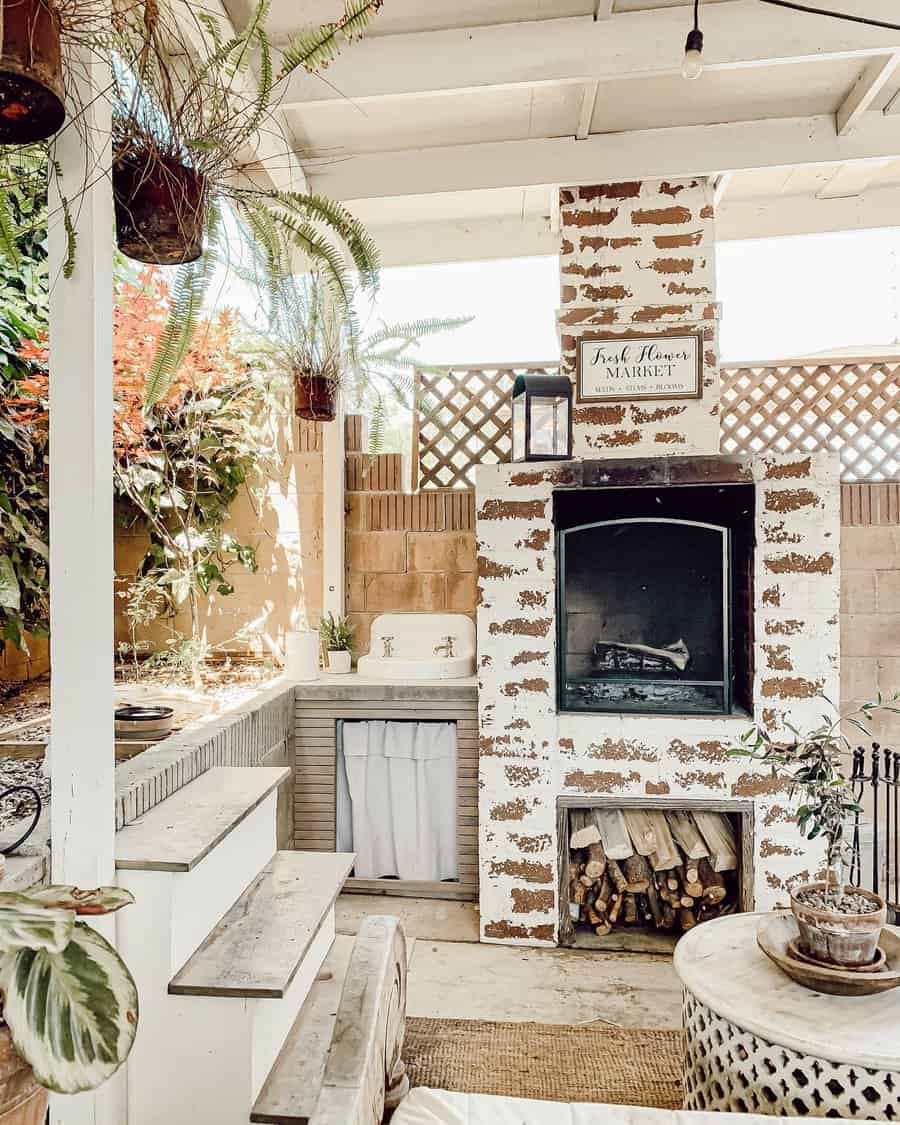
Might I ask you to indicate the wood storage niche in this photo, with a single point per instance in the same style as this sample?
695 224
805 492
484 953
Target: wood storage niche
635 875
160 205
31 79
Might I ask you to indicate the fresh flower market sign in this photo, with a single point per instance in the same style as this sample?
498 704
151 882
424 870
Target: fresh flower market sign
639 367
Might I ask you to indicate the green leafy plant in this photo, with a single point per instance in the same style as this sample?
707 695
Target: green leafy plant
308 334
195 453
24 430
812 763
64 985
336 633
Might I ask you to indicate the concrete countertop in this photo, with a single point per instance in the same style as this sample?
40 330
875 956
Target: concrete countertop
353 686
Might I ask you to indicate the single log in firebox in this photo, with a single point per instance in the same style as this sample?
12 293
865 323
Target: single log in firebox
684 875
617 656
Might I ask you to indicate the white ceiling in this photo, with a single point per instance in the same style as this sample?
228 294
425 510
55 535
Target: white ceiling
450 125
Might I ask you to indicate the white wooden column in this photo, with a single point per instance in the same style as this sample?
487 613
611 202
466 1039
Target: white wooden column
82 762
333 516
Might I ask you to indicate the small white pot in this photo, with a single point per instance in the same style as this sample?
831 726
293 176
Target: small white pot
338 661
301 655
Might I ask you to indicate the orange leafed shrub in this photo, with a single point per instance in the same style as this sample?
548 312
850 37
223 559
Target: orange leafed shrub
140 308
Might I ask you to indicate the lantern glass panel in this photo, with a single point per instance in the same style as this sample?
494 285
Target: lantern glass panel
518 428
549 427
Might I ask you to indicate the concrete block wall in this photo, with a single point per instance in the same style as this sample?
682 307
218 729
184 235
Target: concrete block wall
405 552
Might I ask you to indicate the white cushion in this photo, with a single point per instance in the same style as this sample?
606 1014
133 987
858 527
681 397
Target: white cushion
440 1107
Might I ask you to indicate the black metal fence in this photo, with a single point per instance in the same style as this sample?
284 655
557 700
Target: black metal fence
875 861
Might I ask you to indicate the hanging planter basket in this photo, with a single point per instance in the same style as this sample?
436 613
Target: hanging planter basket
160 208
31 81
315 396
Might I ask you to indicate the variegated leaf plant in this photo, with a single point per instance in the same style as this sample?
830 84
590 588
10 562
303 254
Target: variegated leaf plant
69 1001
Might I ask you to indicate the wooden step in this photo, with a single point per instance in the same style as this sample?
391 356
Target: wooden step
289 1094
260 943
180 831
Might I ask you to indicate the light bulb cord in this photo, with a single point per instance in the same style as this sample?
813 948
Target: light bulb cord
794 6
696 15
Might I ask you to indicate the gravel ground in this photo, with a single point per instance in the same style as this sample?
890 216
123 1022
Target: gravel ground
14 771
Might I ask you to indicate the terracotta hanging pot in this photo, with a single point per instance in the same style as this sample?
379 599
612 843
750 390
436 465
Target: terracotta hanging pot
22 1100
31 82
315 397
160 208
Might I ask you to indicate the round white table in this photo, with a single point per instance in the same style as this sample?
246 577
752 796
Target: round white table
756 1042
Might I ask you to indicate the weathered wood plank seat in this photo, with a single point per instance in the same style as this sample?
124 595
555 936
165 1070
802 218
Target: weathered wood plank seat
258 946
181 831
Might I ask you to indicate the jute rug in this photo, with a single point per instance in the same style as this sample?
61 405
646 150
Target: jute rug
549 1061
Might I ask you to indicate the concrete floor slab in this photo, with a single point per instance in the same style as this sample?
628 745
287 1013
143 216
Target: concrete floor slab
452 980
437 919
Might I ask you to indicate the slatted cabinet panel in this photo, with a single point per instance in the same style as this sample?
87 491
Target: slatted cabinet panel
315 774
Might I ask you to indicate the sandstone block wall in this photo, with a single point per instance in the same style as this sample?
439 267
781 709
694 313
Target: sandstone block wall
405 552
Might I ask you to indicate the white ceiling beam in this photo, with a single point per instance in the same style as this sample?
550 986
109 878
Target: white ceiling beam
737 33
273 146
586 113
781 216
690 150
852 179
864 91
602 9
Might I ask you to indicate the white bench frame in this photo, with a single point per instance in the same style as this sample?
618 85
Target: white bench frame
365 1076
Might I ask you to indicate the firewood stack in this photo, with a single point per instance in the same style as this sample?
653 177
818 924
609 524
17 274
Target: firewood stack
662 870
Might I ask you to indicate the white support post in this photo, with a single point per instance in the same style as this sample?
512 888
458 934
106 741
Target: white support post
82 755
333 578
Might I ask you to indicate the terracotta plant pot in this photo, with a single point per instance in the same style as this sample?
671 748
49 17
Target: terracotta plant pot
22 1100
31 81
315 397
835 938
160 209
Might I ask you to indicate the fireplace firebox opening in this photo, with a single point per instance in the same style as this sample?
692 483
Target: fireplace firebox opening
637 873
655 599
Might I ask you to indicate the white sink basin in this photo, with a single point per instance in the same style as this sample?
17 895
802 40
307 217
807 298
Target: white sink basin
415 646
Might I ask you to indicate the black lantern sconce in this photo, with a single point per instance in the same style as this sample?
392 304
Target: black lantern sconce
542 418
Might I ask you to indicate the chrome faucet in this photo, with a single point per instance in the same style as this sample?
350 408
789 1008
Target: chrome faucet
446 649
388 643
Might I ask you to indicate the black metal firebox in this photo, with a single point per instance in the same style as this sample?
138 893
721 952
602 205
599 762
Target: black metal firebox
654 599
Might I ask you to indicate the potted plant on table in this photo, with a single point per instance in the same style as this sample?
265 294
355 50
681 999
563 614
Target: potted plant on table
70 1006
838 924
337 640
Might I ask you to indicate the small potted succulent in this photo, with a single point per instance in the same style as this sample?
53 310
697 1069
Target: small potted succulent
62 984
337 640
838 924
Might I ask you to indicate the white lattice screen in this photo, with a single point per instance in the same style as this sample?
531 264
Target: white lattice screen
848 404
852 405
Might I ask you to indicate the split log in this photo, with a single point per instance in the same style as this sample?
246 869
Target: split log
578 892
687 834
654 904
596 861
596 917
690 880
582 829
630 910
641 830
686 901
668 917
712 883
604 894
613 833
603 929
718 834
615 909
615 873
666 853
586 880
637 874
686 918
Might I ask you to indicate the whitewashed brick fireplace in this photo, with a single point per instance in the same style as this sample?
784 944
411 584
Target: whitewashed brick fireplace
640 256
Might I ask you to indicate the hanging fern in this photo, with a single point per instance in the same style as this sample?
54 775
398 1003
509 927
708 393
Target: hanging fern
316 47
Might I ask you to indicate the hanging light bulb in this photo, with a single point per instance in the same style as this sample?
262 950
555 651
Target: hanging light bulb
692 65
